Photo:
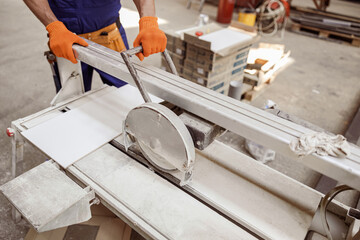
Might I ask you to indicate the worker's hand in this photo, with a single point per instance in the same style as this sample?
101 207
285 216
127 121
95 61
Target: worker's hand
61 41
150 37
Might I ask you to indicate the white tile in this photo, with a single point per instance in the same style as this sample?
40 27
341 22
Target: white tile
70 136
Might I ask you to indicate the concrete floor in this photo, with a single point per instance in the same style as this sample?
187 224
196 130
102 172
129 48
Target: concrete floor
322 86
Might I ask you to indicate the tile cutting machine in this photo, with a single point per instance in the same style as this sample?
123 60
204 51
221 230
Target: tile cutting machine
162 170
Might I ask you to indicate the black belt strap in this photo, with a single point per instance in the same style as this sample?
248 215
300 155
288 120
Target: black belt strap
118 23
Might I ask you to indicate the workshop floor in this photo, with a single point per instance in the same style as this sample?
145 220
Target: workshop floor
322 86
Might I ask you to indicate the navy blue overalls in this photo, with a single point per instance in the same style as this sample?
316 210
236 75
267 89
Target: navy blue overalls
85 16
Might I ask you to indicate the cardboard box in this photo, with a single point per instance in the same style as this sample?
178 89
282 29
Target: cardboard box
210 61
175 43
224 90
219 40
174 38
206 63
229 75
213 60
180 51
221 87
218 68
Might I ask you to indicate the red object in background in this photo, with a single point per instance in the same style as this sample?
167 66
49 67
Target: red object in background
275 5
198 33
247 3
225 11
286 6
10 132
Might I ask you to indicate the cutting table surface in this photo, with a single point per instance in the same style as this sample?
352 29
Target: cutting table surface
168 211
233 184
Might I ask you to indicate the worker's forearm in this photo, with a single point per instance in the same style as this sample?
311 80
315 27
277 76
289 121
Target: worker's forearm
145 7
41 10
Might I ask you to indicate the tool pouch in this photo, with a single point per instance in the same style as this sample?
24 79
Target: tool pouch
108 37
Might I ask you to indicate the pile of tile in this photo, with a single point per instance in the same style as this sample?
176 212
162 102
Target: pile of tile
196 60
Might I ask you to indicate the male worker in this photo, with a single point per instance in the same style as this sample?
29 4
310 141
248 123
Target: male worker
98 21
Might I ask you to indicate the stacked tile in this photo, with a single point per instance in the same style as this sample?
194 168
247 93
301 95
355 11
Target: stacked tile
195 60
213 71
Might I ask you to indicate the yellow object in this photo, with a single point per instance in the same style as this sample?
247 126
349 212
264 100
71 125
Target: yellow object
247 18
108 37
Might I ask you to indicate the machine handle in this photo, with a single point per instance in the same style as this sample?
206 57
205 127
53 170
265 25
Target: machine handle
134 50
170 62
126 57
165 53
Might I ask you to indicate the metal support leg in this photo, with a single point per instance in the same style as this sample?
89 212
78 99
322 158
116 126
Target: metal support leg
201 3
17 143
17 152
71 80
15 215
188 5
52 59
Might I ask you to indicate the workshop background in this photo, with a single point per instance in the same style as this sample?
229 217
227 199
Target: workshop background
321 85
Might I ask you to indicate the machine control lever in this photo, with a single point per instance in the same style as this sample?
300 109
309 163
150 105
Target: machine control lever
126 57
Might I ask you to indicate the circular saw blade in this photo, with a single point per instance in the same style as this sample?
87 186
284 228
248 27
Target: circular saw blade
162 137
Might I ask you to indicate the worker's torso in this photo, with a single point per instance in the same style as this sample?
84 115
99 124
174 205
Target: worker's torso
84 16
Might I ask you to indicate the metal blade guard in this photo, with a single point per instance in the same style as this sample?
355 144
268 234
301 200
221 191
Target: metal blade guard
160 134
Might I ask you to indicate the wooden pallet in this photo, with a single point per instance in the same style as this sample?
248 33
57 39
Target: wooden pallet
325 14
326 34
253 93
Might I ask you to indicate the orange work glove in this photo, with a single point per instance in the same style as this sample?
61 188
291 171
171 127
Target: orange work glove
150 37
61 41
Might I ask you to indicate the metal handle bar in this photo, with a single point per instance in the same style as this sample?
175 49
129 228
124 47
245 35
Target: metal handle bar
126 57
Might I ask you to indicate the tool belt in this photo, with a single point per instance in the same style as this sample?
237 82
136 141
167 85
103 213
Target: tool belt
108 37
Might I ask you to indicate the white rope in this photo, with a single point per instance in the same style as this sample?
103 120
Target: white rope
268 14
322 144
